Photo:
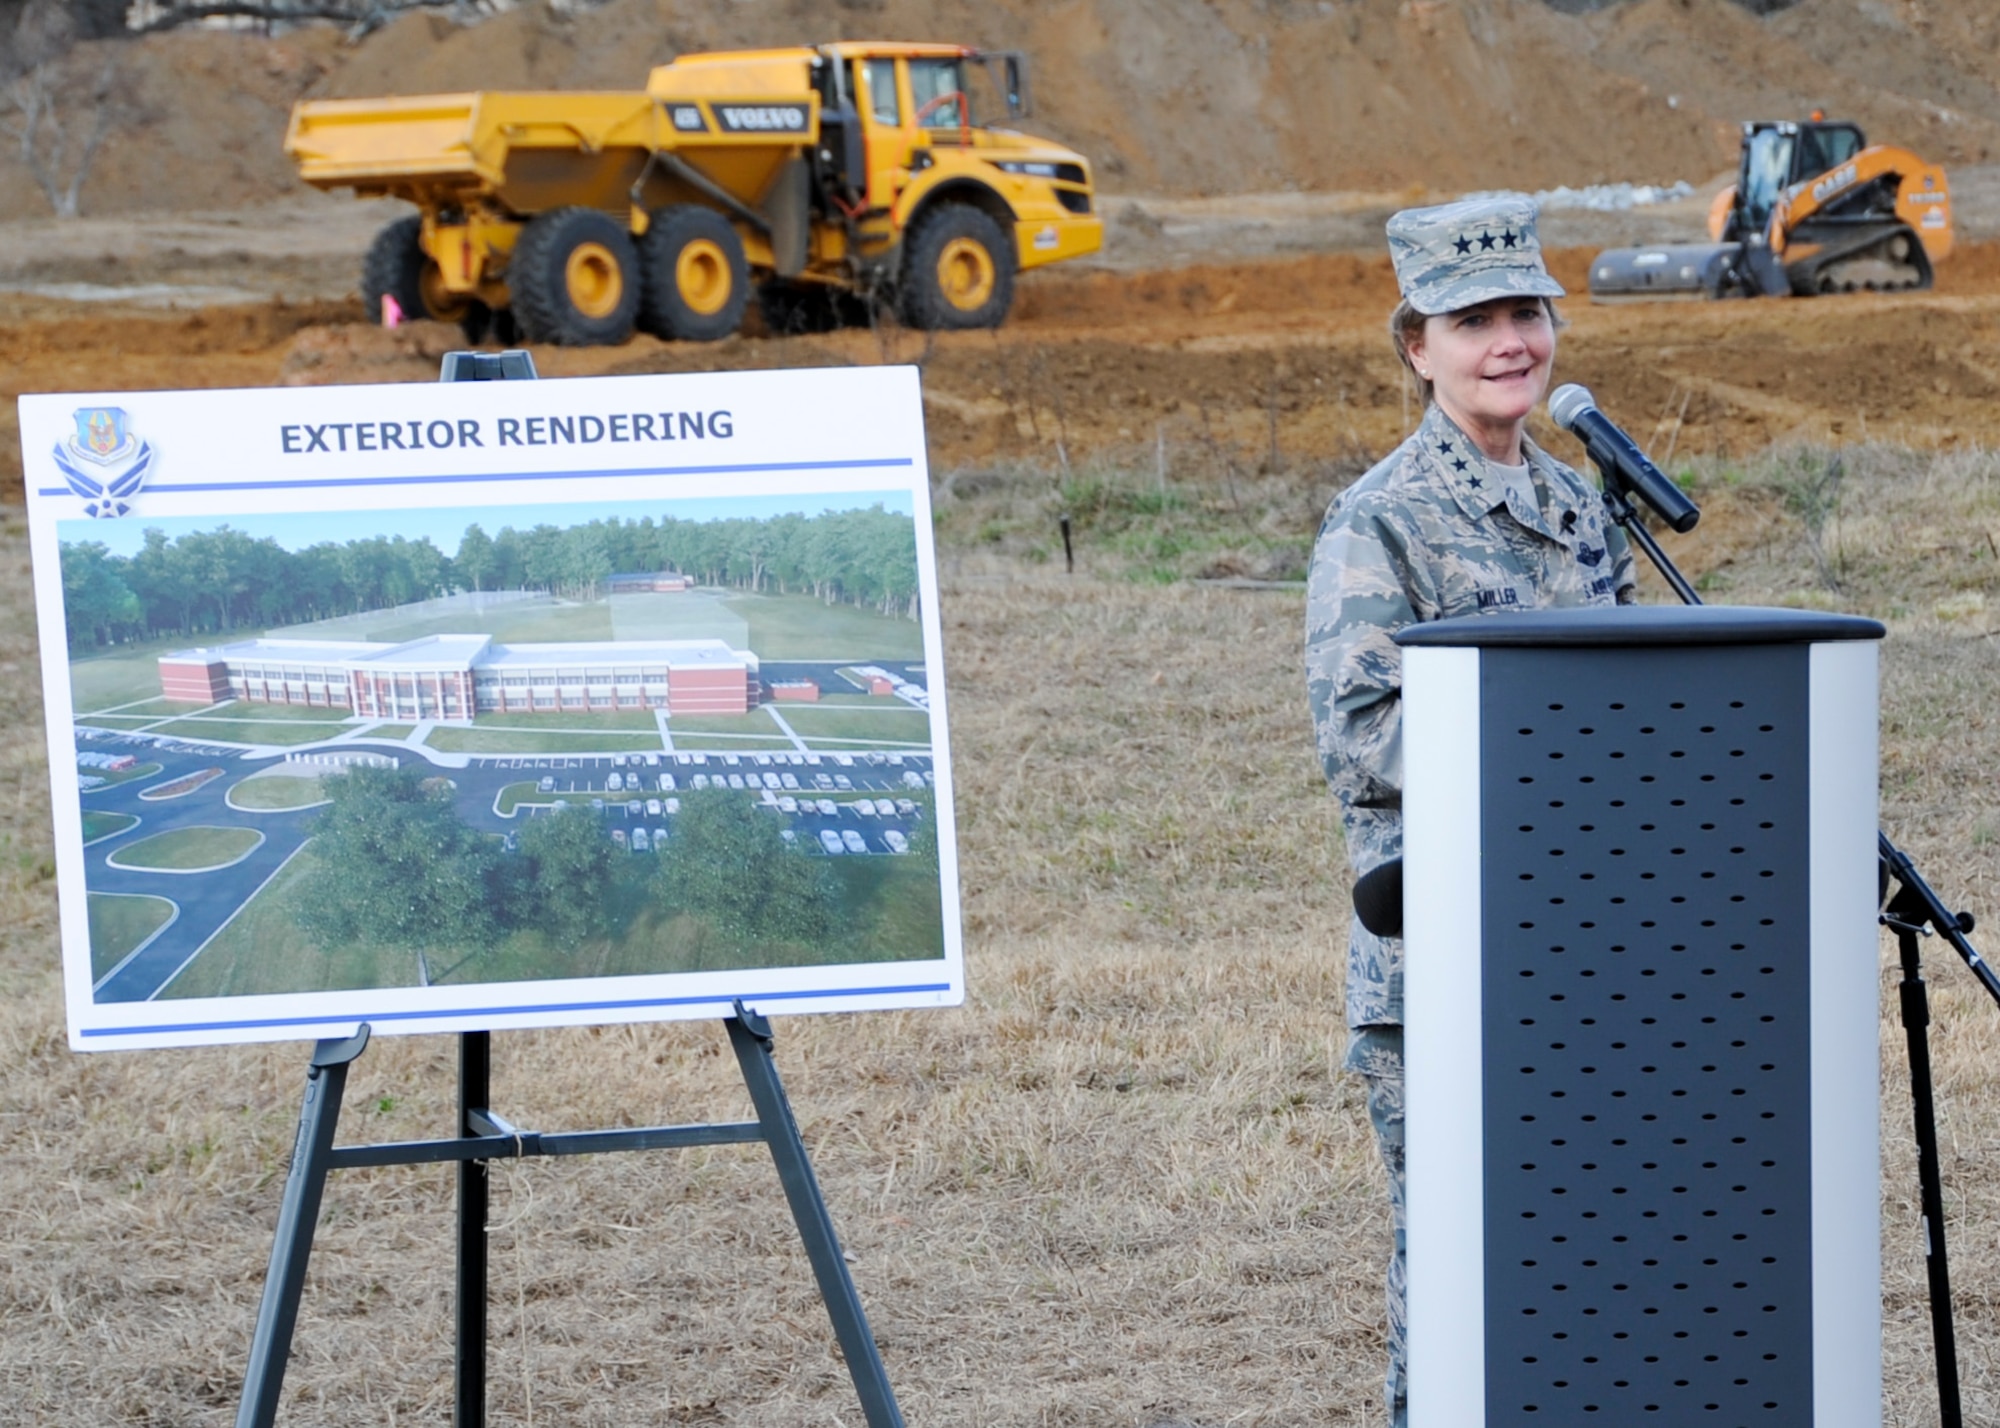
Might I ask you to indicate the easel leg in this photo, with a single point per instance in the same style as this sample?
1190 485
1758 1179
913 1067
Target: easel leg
1916 1026
750 1035
475 1063
298 1215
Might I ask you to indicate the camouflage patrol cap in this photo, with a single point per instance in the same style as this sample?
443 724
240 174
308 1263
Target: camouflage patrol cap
1472 251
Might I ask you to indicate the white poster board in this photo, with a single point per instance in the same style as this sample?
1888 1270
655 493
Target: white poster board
491 704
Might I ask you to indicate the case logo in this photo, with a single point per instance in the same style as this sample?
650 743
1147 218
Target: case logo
105 464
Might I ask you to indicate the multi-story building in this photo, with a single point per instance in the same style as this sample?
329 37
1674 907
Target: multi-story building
453 677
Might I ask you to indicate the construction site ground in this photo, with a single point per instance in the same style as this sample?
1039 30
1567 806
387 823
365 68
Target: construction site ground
1255 323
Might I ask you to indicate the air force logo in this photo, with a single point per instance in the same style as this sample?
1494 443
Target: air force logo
104 463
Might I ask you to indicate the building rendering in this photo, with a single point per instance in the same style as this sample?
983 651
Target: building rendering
453 677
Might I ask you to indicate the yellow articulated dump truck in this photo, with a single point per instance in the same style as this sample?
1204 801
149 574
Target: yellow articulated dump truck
820 179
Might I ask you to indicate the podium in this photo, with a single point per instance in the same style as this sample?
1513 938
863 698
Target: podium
1641 998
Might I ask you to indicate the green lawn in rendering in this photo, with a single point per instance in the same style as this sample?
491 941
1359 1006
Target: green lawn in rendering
456 739
265 951
98 824
187 849
573 723
128 676
276 792
253 731
118 923
259 712
754 722
888 728
801 627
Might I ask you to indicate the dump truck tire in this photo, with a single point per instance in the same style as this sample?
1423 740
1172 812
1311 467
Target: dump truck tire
394 268
574 277
697 281
958 271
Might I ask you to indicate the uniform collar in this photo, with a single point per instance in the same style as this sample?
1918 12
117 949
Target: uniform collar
1465 471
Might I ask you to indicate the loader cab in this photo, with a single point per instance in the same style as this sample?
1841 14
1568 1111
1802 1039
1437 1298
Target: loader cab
1778 155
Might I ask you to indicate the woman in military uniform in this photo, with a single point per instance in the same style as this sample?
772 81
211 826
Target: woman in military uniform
1467 516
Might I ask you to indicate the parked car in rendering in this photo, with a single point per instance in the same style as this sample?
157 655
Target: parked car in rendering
830 840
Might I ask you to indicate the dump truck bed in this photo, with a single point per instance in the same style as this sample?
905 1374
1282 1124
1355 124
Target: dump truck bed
443 145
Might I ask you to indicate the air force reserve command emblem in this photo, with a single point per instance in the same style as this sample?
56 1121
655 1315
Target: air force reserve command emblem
104 463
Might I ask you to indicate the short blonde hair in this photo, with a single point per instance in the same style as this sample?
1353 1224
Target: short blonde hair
1407 324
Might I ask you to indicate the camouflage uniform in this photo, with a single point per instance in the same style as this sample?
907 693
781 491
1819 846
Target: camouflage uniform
1431 532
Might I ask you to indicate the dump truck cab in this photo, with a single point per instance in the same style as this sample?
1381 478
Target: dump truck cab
905 151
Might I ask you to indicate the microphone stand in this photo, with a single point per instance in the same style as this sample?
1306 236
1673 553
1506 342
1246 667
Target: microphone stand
1915 911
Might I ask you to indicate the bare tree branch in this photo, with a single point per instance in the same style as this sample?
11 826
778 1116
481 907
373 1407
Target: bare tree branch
363 15
49 149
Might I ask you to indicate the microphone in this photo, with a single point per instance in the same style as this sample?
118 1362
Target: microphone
1619 458
1378 899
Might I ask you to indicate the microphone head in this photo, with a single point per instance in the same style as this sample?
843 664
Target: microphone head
1569 402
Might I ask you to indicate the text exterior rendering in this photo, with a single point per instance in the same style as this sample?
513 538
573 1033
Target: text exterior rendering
481 705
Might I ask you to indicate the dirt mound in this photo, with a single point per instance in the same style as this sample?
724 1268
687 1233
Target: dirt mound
1240 367
1167 96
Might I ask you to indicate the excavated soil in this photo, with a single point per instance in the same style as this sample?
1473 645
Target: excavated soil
1183 97
1250 149
1225 361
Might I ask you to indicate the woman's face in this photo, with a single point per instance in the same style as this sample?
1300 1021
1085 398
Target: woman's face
1490 363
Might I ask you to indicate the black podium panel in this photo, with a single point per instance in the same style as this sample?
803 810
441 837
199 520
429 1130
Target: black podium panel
1646 1035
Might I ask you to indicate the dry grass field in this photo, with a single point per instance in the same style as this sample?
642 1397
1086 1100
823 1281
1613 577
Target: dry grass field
1125 1185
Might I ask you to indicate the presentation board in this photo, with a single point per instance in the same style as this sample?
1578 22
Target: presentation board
479 705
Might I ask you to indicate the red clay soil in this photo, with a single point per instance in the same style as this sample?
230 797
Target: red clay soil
1214 358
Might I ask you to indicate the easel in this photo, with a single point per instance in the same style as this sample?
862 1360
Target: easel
483 1135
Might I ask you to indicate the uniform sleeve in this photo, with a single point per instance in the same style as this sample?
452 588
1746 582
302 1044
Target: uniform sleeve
1624 577
1359 592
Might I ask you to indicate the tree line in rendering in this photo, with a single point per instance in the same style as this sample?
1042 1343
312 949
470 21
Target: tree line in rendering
394 865
208 582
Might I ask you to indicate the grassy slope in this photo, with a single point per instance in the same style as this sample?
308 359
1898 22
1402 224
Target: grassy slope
1128 1172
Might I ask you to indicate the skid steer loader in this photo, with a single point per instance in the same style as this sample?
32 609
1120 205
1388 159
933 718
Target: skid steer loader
1814 209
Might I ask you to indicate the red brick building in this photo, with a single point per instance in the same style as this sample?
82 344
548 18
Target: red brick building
452 677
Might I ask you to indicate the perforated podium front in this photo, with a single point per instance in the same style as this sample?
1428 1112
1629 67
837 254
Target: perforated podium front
1639 883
